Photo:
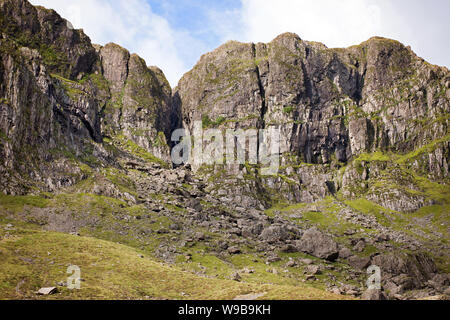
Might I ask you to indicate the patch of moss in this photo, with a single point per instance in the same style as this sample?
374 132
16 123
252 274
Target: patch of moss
139 152
17 203
208 123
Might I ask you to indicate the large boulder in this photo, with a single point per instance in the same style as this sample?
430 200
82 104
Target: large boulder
409 271
315 243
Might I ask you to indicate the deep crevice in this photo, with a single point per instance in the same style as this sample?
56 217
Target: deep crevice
262 92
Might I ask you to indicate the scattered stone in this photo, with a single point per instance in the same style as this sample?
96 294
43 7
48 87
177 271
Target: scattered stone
306 261
234 250
360 246
291 264
247 270
274 234
382 238
440 282
373 294
289 248
344 253
310 278
273 258
312 270
335 290
47 291
236 277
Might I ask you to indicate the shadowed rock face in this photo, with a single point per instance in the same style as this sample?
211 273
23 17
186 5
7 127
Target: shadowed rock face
328 102
331 105
140 106
62 95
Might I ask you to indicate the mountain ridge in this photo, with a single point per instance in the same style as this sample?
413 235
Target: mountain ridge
85 146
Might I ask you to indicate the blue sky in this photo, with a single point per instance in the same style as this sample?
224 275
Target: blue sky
173 34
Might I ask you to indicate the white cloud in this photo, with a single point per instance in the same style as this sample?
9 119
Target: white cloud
343 23
335 23
131 24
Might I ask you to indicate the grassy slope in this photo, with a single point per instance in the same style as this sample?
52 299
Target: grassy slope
31 258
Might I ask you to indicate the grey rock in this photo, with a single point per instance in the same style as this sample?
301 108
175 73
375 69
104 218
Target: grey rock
373 294
360 263
319 245
234 250
344 253
236 277
312 270
360 246
274 234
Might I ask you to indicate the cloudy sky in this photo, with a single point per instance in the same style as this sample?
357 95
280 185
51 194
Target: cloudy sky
173 34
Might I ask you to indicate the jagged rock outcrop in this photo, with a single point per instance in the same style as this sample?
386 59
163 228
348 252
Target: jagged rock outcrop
331 105
60 96
328 102
140 108
64 50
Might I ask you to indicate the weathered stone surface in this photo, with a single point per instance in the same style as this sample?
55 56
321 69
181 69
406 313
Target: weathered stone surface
63 94
373 294
274 234
344 253
319 245
407 270
367 122
312 270
330 105
360 263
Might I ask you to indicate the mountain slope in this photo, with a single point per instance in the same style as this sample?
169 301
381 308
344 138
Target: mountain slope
85 149
111 271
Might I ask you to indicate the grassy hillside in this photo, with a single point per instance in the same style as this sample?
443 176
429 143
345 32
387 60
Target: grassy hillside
31 258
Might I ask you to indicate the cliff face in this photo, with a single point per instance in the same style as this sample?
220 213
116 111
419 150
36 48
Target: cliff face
329 103
332 105
141 99
363 178
61 96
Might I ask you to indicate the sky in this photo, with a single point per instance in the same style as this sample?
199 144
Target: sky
173 34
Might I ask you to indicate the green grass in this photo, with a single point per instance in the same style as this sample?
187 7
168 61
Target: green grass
111 271
17 203
70 87
376 156
423 150
384 216
208 123
288 109
140 152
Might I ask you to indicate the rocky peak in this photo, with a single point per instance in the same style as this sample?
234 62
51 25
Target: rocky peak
115 65
65 51
304 84
64 94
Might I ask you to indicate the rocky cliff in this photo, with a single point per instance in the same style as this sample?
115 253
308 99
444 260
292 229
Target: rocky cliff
332 106
364 175
62 96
